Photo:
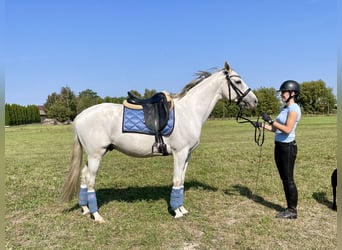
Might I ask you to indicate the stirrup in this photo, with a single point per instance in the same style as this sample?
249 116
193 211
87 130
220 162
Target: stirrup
159 148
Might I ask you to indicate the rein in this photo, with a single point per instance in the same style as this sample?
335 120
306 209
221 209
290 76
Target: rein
259 133
259 138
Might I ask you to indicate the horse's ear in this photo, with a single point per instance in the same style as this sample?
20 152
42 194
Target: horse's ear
226 66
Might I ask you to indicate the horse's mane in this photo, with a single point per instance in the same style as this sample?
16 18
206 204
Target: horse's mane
201 75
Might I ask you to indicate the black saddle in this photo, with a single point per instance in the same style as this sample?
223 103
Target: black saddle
158 97
156 115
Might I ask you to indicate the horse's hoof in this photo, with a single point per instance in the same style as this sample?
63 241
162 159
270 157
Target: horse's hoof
86 214
183 210
85 211
178 213
98 218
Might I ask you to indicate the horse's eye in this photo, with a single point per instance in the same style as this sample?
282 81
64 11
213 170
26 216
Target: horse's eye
238 81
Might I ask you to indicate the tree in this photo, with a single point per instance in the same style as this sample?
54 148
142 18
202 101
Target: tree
86 99
51 99
33 114
68 98
7 114
16 117
316 98
114 99
267 101
61 106
60 112
16 114
136 93
149 93
224 109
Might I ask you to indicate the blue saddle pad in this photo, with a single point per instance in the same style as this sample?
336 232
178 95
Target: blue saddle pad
133 122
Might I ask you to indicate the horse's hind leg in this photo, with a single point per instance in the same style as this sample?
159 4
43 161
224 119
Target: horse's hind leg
83 195
87 198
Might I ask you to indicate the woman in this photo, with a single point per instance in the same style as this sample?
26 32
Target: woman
285 150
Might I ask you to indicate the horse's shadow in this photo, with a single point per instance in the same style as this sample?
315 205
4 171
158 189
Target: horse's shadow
137 193
153 193
245 191
321 197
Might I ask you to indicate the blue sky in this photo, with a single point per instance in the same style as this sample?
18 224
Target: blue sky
112 47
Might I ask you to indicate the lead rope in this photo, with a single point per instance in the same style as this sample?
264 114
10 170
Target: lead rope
259 138
258 170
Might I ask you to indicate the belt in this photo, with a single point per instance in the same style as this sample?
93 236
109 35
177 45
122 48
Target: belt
284 143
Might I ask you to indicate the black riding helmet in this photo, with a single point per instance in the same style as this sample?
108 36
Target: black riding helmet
290 85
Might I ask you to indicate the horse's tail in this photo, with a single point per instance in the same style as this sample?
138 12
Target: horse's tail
73 180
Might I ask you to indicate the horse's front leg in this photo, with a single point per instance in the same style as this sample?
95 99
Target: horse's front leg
182 208
177 193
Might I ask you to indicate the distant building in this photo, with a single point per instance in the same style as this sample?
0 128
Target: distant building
42 113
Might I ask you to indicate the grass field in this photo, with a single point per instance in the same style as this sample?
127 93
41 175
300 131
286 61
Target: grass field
231 193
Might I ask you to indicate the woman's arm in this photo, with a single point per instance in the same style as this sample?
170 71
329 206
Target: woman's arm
287 128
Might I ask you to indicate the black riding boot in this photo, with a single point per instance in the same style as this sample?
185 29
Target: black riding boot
291 195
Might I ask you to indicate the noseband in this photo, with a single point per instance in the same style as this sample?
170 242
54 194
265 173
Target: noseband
241 95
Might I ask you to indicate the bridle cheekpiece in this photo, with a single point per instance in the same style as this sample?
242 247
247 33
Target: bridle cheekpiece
240 95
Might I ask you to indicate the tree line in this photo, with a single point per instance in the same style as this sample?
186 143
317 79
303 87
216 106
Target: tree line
315 98
17 115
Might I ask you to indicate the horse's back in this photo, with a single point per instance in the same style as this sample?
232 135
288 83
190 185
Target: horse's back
98 111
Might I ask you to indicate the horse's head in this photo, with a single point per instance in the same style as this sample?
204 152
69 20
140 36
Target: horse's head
238 90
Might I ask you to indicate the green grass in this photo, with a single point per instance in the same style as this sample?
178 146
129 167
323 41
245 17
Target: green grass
231 193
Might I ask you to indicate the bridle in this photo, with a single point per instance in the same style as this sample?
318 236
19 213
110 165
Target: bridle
241 95
259 134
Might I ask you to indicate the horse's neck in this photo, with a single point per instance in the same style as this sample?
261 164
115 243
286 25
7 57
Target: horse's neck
201 100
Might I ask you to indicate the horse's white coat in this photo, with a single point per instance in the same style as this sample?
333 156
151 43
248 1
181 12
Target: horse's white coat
101 125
